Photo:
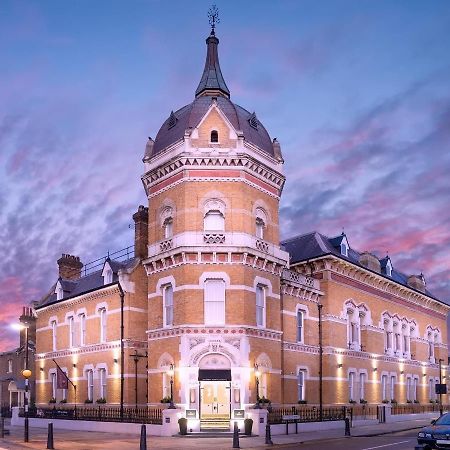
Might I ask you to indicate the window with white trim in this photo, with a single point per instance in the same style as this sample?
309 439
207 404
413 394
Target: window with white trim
384 382
90 384
53 381
300 316
214 137
168 305
260 306
344 248
168 228
102 382
64 391
392 387
103 323
82 318
430 346
54 327
301 377
10 365
431 390
59 291
71 332
362 385
259 228
408 389
214 221
415 385
351 386
214 303
108 276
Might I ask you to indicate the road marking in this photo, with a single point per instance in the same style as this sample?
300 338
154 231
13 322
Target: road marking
386 445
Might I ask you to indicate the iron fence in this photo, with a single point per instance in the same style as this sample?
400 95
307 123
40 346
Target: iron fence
306 414
363 412
5 411
100 413
415 408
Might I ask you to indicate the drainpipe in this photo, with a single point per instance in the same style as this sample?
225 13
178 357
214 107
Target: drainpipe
320 306
122 353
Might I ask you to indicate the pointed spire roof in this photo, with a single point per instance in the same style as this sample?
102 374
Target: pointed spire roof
212 81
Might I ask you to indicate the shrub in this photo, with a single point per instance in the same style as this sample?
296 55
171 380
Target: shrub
101 400
363 402
385 401
52 400
63 400
88 401
302 402
393 401
352 401
165 400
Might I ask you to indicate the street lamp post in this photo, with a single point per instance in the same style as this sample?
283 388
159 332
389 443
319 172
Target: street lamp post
26 373
441 409
257 375
171 373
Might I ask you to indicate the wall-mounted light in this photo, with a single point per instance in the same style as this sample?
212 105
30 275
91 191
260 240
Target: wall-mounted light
116 360
339 366
402 372
424 374
41 369
74 365
375 369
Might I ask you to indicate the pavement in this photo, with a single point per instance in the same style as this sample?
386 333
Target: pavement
77 440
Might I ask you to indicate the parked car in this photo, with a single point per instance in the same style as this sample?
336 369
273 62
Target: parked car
436 435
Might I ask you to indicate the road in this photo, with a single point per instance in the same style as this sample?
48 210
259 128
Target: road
405 440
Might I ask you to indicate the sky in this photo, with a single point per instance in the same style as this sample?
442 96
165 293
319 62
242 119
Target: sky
356 92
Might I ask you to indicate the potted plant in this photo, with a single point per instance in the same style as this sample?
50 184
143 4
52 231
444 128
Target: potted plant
408 401
393 401
101 400
363 401
385 401
64 400
182 423
87 401
52 400
352 402
248 424
416 401
165 400
302 402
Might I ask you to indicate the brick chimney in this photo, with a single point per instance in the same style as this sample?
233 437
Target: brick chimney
70 267
29 320
141 232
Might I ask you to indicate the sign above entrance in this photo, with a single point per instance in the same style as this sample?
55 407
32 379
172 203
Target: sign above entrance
214 374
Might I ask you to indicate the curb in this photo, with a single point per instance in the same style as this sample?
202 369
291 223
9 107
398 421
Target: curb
387 432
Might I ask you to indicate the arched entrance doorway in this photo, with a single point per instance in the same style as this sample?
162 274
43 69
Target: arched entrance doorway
214 376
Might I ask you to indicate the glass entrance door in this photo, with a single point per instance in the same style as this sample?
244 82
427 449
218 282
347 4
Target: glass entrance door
215 399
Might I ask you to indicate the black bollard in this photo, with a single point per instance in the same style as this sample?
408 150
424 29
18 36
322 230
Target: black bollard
347 426
50 437
143 444
236 436
268 435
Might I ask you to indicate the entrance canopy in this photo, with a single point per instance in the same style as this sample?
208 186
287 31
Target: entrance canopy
214 374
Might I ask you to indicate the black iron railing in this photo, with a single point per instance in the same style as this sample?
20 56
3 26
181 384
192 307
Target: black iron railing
306 414
5 411
100 413
414 408
363 412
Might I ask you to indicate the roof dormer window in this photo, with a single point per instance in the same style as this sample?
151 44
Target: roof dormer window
214 137
389 268
344 247
59 291
107 274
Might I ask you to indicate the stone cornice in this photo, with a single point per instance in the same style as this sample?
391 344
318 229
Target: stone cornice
208 330
240 162
381 286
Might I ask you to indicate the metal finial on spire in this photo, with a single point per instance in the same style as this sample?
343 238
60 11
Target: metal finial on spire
213 15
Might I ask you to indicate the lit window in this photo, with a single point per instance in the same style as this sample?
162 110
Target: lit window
102 312
214 221
301 384
214 136
90 385
214 302
102 374
168 305
82 329
299 326
260 306
53 325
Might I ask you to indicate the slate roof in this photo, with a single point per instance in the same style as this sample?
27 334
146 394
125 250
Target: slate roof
212 85
90 282
313 245
189 116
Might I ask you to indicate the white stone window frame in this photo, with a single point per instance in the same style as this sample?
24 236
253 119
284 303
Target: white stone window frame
260 222
102 311
344 247
164 290
82 326
54 328
102 388
260 287
351 383
393 381
107 274
210 136
304 371
385 386
214 206
59 291
362 376
389 268
166 221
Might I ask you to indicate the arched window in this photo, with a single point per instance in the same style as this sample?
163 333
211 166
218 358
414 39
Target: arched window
260 305
168 228
90 384
261 221
214 136
214 221
301 385
300 315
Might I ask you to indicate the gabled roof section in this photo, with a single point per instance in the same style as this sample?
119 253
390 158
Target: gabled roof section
212 81
314 245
